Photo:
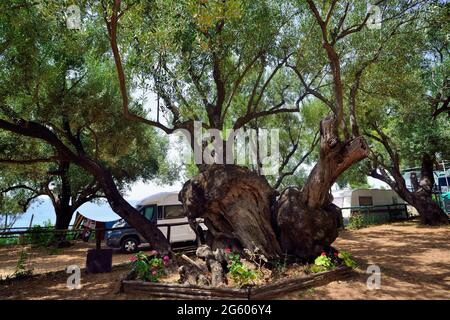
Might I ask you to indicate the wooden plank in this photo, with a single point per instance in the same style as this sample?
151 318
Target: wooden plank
197 293
285 287
184 288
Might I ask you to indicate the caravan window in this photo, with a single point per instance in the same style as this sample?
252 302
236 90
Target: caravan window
365 201
173 212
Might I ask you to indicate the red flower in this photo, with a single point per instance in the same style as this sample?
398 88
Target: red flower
133 259
335 254
227 250
323 254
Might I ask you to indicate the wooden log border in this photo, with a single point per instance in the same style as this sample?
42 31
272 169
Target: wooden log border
268 291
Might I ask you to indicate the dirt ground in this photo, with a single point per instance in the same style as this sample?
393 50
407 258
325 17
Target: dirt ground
414 262
43 260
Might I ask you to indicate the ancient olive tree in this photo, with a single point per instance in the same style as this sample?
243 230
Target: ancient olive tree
230 63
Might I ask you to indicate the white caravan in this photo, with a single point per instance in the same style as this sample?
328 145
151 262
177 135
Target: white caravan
346 199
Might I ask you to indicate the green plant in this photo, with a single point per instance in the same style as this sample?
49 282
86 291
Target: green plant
41 236
21 267
347 259
149 268
356 221
241 274
322 263
9 241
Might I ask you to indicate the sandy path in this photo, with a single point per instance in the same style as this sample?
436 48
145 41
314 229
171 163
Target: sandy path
414 261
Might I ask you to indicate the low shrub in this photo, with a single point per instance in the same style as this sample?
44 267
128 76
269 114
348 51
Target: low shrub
347 259
149 268
356 221
22 270
9 241
331 260
241 274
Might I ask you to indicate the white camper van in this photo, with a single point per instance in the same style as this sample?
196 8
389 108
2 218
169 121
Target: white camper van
161 208
169 211
379 204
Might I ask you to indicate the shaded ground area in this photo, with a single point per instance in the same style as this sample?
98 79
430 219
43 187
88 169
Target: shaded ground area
414 262
43 260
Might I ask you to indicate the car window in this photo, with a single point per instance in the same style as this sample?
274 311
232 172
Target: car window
173 212
148 213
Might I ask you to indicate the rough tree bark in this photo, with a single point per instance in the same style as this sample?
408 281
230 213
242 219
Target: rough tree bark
62 206
236 206
429 211
421 196
307 219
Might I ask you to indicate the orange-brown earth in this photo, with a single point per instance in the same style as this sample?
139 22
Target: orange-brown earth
414 262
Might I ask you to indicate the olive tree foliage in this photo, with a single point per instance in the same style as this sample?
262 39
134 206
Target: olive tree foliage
64 81
400 98
218 62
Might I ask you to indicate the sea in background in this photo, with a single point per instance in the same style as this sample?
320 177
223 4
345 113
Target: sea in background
43 211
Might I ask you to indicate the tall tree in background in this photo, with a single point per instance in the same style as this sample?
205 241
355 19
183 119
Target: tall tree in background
57 87
402 99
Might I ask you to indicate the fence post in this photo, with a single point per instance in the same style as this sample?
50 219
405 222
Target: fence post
168 233
98 240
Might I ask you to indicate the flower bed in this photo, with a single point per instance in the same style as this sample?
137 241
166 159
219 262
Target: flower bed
272 290
242 278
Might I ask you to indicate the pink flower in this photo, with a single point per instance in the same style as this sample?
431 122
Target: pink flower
335 254
153 273
227 250
166 258
133 259
323 254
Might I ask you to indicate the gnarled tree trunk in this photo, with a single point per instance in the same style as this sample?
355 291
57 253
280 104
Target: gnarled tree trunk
236 206
421 196
241 210
307 219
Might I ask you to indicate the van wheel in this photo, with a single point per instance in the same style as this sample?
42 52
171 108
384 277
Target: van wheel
129 245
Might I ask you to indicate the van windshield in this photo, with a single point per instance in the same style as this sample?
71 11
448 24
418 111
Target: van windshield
148 213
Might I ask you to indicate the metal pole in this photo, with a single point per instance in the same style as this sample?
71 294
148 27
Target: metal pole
445 176
168 234
31 221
